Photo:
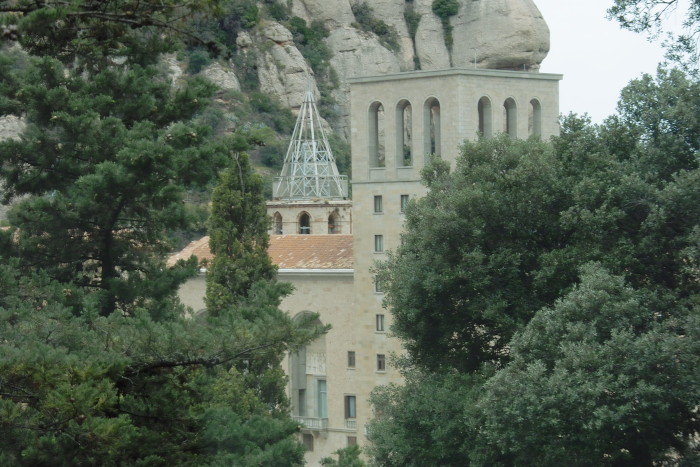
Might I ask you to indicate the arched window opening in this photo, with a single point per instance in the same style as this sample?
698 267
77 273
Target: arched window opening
334 223
485 117
404 134
377 131
510 118
431 125
304 223
307 370
534 118
277 223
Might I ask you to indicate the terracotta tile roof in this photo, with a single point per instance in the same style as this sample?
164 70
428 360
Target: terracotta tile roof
290 251
311 251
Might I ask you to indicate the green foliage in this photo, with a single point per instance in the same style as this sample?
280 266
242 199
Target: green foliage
273 153
366 21
496 218
559 282
197 60
410 431
609 369
104 161
91 33
278 11
309 41
237 234
347 457
247 69
444 9
272 113
99 363
81 389
241 14
412 19
341 152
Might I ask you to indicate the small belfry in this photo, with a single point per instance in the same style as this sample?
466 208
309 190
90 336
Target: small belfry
309 169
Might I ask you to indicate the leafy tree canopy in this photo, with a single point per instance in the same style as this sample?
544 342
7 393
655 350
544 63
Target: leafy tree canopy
552 287
96 32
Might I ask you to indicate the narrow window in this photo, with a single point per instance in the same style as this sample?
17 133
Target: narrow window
404 128
485 125
381 362
351 359
322 399
378 204
431 126
352 440
510 118
304 224
380 323
334 223
277 221
534 118
350 408
378 243
308 441
378 288
404 202
376 135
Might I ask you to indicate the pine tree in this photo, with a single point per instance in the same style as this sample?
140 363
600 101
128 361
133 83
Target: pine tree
237 232
99 363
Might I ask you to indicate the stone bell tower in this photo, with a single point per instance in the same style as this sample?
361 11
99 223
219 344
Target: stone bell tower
310 196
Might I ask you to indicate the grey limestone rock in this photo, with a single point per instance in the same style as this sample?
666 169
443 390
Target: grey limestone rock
222 75
282 70
356 53
502 34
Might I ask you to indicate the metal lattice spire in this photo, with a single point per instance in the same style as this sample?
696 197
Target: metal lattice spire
309 169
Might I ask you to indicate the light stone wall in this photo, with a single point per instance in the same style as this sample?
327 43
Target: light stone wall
318 210
331 295
458 91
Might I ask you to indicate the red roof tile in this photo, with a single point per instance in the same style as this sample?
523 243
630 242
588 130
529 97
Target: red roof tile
290 251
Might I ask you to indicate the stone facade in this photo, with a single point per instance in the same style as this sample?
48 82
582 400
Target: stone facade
324 217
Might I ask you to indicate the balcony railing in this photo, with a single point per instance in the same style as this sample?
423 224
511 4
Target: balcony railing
312 422
350 424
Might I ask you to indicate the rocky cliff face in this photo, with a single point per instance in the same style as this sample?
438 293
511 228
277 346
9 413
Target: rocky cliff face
496 34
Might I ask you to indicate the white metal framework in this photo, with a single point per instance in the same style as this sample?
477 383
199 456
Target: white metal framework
309 169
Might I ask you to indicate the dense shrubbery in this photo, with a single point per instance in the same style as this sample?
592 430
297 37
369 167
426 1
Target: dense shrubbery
553 288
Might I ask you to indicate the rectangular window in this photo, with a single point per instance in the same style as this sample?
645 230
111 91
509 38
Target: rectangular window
378 243
351 359
381 362
378 288
308 441
404 202
378 208
352 440
322 399
380 323
350 408
302 403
